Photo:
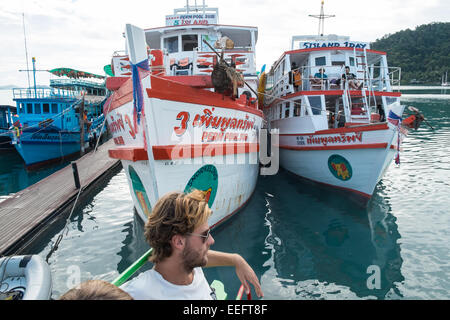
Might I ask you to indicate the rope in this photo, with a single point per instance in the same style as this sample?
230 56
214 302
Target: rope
60 236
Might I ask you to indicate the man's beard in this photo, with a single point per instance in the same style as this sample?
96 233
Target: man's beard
193 258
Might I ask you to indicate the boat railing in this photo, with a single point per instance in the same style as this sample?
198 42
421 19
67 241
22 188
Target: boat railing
76 82
43 93
376 78
202 62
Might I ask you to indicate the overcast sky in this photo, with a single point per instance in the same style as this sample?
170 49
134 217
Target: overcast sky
83 34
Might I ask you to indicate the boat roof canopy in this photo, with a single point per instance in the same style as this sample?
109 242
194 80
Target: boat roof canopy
241 35
74 74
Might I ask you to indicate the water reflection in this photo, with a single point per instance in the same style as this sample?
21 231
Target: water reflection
322 249
14 176
134 244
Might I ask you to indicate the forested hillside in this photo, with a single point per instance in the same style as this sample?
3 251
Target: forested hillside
423 53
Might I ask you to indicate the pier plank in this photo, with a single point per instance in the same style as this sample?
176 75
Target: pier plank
27 209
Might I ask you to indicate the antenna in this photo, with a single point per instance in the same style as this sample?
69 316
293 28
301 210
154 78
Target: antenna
26 50
322 18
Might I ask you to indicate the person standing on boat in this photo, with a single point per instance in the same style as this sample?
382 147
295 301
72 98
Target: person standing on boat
351 77
178 232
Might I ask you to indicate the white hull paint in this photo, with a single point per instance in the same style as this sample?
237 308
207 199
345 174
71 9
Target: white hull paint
173 170
366 158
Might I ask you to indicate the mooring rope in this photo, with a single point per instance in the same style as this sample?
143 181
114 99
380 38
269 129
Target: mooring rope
61 235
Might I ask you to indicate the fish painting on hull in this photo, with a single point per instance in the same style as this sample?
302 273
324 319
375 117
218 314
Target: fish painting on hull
205 179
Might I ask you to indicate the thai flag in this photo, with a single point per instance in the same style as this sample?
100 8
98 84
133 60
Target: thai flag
393 118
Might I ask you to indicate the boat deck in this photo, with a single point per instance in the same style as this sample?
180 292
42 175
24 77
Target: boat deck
26 213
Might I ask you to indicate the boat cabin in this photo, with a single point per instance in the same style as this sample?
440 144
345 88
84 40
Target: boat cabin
58 104
6 117
185 52
310 80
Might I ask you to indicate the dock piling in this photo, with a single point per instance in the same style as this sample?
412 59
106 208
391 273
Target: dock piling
76 177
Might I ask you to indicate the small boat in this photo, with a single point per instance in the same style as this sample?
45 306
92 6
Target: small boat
25 278
176 126
339 120
49 125
7 118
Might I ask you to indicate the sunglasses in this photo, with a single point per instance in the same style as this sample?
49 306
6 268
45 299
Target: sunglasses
204 235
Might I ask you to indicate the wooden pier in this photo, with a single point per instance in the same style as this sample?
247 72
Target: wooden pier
26 213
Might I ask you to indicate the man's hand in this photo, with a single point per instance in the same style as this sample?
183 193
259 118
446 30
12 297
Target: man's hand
244 272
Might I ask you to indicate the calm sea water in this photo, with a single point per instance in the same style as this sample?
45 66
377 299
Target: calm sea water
303 241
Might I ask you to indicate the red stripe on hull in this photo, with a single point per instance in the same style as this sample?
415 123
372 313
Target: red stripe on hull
372 127
340 147
173 91
174 152
364 196
132 154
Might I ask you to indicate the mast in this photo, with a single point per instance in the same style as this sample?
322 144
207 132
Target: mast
34 75
26 49
322 16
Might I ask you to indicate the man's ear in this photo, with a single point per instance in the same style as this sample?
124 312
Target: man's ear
178 241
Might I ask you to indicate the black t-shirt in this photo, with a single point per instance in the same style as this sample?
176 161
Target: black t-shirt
348 76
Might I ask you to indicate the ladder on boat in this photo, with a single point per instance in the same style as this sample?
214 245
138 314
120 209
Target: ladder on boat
361 111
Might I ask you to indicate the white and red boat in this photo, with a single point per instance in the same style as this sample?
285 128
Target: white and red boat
342 133
171 130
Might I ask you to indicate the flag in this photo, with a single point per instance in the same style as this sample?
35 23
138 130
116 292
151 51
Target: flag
394 118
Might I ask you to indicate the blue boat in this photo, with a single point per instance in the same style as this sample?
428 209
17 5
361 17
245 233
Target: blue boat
49 125
7 113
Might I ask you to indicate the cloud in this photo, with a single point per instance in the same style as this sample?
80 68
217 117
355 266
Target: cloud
83 34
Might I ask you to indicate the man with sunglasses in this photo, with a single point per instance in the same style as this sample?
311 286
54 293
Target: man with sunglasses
179 234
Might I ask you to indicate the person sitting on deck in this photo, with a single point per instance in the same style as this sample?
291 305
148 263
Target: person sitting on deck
352 82
178 232
320 77
96 290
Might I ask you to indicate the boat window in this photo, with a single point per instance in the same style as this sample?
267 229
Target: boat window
243 62
391 100
46 108
29 108
171 44
189 42
54 108
269 82
297 106
316 104
352 61
280 106
37 108
22 108
337 63
320 61
286 110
